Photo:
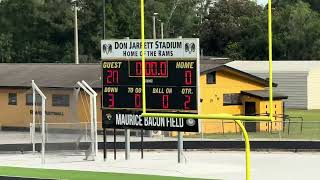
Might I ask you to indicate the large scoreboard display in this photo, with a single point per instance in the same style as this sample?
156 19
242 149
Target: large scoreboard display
171 71
170 85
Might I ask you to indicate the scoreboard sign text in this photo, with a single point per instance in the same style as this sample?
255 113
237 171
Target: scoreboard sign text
112 119
154 48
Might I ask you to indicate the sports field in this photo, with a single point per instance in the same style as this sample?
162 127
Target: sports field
77 175
308 115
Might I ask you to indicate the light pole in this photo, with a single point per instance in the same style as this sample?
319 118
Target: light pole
161 28
76 47
154 25
104 19
104 37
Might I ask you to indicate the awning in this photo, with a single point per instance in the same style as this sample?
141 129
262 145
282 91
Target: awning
264 94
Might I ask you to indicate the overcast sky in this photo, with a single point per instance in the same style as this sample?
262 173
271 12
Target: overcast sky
262 2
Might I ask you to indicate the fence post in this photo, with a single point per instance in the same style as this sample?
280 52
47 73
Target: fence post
30 131
86 130
222 126
289 126
301 125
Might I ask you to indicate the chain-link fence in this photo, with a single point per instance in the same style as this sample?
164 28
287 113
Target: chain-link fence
277 130
76 135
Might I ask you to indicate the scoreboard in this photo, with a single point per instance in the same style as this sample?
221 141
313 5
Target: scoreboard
171 70
171 85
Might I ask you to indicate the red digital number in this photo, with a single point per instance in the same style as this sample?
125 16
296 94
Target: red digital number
112 77
152 68
187 77
139 68
148 69
163 69
165 101
111 100
137 100
187 102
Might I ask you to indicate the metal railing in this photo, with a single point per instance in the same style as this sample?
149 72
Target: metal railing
291 128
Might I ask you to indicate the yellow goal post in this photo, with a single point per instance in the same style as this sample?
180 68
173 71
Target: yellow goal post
215 116
208 116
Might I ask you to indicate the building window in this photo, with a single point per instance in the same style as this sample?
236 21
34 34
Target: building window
29 99
12 99
232 99
211 78
60 100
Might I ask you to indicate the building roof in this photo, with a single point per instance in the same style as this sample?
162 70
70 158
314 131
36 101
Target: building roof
278 66
264 94
67 75
208 63
211 67
49 75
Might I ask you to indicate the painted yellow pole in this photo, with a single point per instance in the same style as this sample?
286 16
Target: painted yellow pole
144 109
247 147
215 116
270 58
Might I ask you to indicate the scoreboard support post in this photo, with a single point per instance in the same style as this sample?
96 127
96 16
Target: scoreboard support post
104 144
127 144
180 137
180 146
141 144
127 136
114 143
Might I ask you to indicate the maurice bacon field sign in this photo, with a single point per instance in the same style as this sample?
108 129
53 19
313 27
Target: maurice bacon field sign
119 120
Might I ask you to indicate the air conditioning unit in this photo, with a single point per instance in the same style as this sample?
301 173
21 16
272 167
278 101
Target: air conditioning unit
156 133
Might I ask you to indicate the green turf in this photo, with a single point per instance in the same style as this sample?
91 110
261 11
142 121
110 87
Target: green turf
308 130
78 175
308 115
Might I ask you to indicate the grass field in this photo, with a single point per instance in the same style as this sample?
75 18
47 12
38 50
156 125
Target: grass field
308 115
78 175
310 127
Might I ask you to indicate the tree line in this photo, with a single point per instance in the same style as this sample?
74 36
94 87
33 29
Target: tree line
42 31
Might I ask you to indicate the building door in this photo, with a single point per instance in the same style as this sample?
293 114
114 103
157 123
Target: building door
250 110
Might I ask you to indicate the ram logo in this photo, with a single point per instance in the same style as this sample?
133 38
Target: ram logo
109 117
189 47
107 48
190 122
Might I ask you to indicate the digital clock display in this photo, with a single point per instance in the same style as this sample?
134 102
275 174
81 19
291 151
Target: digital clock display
170 85
153 68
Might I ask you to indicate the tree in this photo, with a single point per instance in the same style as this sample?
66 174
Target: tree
238 29
296 31
39 29
314 4
43 30
225 23
6 48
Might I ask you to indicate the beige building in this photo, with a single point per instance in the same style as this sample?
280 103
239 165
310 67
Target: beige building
300 80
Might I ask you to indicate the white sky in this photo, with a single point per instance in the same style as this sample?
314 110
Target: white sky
262 2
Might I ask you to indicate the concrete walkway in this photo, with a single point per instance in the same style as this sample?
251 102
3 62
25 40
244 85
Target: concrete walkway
198 164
